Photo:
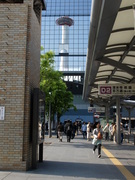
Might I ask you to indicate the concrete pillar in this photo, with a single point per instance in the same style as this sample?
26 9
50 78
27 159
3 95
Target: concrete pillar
118 135
107 113
129 114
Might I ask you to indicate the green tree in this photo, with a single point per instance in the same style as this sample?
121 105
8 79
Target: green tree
52 81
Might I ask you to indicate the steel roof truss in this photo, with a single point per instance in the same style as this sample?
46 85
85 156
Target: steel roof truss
122 57
119 65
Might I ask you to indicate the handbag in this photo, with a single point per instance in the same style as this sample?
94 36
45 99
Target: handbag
99 135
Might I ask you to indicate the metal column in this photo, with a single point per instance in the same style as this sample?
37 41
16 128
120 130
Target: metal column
129 128
107 113
118 135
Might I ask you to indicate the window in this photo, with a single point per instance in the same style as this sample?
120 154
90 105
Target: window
79 11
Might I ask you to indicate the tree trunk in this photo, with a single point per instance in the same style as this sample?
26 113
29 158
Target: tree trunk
58 118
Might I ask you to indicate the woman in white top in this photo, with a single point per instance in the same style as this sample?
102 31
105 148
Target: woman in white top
97 140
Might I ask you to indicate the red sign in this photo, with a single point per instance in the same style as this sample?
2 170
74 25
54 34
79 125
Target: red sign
105 90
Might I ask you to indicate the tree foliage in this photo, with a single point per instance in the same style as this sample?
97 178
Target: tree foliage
51 82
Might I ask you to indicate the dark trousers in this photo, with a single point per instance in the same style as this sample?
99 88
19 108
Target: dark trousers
106 136
68 135
84 134
99 148
111 138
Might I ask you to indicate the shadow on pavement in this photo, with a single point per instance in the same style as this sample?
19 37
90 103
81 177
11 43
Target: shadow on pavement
81 170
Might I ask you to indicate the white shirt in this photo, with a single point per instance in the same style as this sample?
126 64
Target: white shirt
88 127
106 129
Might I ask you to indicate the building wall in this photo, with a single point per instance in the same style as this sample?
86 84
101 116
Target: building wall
32 79
81 113
19 72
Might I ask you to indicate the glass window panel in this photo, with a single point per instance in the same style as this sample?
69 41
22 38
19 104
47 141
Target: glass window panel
78 33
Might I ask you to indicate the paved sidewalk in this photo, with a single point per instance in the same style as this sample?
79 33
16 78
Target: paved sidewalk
76 161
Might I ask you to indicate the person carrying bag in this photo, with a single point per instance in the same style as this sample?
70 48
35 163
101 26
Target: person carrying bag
97 140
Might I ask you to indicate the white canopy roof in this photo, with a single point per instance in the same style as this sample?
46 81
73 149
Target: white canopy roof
111 49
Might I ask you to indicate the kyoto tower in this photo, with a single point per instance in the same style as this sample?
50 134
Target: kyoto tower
65 22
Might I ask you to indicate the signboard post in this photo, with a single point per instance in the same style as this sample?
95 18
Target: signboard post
2 113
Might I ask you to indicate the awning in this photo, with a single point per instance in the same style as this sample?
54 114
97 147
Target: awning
111 49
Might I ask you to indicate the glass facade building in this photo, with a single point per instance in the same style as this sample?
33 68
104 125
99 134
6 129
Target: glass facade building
69 42
79 12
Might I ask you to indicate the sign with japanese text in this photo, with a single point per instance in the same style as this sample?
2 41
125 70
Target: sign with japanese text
105 90
116 89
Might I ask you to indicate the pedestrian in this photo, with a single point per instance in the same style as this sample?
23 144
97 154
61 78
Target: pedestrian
60 130
126 126
73 130
97 140
106 130
111 131
39 129
88 131
114 133
121 132
68 129
76 124
79 126
84 129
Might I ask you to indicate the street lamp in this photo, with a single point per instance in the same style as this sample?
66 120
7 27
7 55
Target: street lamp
49 132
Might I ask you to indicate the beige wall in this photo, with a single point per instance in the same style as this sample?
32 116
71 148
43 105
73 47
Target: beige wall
19 74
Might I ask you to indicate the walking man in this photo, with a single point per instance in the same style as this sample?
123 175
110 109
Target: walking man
106 130
84 128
